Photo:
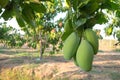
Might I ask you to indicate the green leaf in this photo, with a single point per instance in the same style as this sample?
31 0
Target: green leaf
109 30
0 10
118 13
90 23
118 34
28 15
38 7
3 3
65 35
29 21
7 14
75 4
90 8
83 3
101 18
68 3
45 0
28 12
80 22
111 6
20 21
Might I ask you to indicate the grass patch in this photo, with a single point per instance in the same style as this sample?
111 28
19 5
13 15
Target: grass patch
31 66
17 74
23 54
115 76
16 60
26 54
100 51
117 50
66 78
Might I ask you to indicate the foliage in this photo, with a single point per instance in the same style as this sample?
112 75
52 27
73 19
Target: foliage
118 35
86 14
98 33
4 31
10 37
81 17
35 18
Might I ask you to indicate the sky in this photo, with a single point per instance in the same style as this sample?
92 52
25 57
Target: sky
14 24
101 27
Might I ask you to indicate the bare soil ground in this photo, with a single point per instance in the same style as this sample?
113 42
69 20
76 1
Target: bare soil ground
106 66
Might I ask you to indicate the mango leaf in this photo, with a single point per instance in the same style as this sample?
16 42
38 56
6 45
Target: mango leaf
45 0
65 35
111 6
75 4
28 15
29 21
101 18
90 22
83 3
20 21
0 10
109 30
38 7
28 12
3 3
90 8
68 3
118 13
80 22
118 34
7 14
116 1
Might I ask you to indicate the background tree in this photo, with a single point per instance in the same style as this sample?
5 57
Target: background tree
36 19
98 33
10 37
117 35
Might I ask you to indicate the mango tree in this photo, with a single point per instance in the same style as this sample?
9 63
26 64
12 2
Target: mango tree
10 37
35 18
80 41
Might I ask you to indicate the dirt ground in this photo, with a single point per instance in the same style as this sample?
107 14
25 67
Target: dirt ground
106 66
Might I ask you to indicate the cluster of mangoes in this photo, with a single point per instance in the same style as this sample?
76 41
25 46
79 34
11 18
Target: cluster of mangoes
81 49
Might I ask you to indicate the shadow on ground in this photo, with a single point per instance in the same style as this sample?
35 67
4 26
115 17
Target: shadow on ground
11 51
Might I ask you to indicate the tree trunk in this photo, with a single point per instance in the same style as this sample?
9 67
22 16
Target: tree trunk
42 45
41 51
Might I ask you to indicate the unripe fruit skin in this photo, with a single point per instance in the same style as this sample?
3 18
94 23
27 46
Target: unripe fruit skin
71 45
84 56
92 38
75 61
68 26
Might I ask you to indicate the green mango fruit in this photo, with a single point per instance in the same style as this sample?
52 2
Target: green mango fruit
71 45
92 38
74 60
84 56
68 26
